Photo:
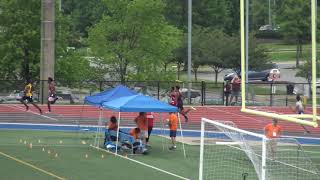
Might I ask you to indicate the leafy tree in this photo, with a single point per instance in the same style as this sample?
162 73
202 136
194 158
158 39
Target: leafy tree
220 50
211 13
20 39
294 20
134 38
83 14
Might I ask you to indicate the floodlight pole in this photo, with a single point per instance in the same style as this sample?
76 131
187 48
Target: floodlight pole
47 45
189 47
270 12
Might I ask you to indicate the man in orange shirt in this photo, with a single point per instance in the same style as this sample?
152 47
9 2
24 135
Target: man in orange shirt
173 125
272 131
142 124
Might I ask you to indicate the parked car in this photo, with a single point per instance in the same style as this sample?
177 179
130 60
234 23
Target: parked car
261 75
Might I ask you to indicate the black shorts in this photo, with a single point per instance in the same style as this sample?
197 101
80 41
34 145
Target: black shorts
180 106
28 98
173 133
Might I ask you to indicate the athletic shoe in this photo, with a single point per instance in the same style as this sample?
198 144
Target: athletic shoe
172 147
40 111
193 108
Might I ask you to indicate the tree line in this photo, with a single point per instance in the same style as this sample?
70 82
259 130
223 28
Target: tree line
141 39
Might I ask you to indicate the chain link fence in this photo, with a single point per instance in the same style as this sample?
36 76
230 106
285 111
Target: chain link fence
202 93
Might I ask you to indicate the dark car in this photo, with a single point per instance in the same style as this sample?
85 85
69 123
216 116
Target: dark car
262 75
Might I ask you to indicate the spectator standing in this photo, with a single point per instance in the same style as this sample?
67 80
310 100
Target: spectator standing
142 124
272 131
150 119
227 91
235 89
173 126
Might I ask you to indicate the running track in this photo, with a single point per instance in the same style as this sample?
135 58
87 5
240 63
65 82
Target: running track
88 115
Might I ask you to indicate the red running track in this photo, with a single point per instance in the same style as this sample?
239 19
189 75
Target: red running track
223 113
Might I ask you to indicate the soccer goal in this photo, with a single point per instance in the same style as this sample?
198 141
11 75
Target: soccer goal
227 152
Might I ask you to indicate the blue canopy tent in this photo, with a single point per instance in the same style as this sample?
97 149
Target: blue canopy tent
140 103
108 95
105 96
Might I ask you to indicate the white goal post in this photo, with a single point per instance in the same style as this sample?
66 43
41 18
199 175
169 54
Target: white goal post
227 152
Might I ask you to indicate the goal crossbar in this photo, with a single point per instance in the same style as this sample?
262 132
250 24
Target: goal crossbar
281 117
314 117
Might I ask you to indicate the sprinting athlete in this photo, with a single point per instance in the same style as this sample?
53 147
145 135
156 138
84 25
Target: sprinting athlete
173 99
299 109
179 98
52 96
28 96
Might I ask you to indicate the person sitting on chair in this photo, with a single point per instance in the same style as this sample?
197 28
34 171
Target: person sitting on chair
112 126
137 145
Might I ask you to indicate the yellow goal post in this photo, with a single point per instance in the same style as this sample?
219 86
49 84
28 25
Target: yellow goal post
292 118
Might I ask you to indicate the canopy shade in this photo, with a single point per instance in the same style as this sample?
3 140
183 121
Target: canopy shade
109 95
138 103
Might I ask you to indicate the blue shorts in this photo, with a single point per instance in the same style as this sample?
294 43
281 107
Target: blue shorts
173 133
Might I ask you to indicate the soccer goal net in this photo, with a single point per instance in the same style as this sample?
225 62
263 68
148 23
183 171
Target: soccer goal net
227 152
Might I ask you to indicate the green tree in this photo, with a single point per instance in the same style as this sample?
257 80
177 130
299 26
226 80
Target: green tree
73 68
83 14
134 38
20 39
294 21
220 50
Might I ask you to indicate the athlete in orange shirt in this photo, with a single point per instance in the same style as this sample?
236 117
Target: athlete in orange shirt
173 125
135 132
142 124
272 131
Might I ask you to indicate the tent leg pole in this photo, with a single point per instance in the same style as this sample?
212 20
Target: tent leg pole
97 131
162 131
184 150
100 128
117 142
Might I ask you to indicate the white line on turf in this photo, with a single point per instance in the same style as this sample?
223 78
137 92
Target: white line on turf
127 127
144 164
19 108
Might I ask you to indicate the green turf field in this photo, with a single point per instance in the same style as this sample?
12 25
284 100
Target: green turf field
71 161
68 150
